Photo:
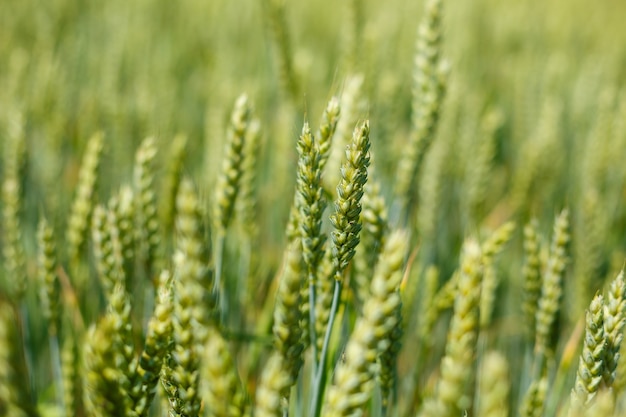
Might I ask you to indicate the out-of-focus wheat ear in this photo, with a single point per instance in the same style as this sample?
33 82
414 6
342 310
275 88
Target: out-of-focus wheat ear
374 220
531 273
119 309
354 377
614 320
82 206
192 259
490 248
534 400
429 84
156 346
72 370
323 296
287 327
195 305
224 394
228 185
451 396
551 287
493 386
15 395
50 293
246 204
14 263
149 239
602 406
104 380
107 250
328 126
479 170
591 362
428 311
123 209
275 380
175 161
587 250
48 280
353 107
388 374
280 33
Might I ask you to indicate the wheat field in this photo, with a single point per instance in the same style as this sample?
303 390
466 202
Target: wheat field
281 208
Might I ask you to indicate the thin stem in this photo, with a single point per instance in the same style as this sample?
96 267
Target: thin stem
320 380
313 335
217 289
55 358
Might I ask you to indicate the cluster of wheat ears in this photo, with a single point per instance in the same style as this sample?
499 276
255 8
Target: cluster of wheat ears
393 259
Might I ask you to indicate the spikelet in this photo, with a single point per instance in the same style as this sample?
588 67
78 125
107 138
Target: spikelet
228 184
494 386
551 288
148 225
354 377
82 206
591 363
451 397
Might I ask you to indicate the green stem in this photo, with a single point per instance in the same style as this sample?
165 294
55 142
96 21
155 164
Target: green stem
55 359
313 335
217 289
320 380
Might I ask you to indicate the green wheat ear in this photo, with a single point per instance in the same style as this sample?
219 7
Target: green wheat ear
80 213
614 321
591 364
345 220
